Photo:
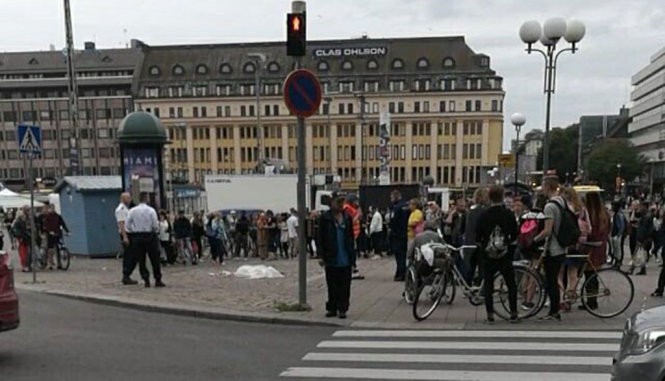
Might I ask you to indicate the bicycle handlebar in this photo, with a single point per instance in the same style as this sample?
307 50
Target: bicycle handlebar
460 248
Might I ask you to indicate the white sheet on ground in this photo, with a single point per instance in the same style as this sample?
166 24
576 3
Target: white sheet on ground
257 272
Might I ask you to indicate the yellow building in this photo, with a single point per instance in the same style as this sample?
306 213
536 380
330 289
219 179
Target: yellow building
445 105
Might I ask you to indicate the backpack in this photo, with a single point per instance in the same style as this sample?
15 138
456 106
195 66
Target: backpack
569 230
583 221
496 247
528 231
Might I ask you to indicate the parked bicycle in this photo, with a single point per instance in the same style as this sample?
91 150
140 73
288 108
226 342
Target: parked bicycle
441 282
606 291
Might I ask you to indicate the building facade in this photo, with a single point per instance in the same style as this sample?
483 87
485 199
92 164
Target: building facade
444 100
647 128
33 90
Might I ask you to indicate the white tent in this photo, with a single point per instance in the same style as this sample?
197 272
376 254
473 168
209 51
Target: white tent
11 200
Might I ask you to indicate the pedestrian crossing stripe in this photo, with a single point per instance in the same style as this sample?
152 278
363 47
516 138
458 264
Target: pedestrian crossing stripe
447 355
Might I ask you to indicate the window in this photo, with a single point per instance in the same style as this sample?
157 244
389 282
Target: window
323 66
154 71
29 115
171 112
400 107
175 91
495 105
180 112
391 107
103 133
350 108
243 111
156 111
249 67
152 92
347 65
223 90
416 106
421 84
340 108
246 89
267 110
396 85
372 65
227 110
275 110
425 106
346 87
451 106
195 112
484 61
448 62
397 64
178 70
225 68
10 116
478 105
423 63
371 86
201 69
251 110
219 111
200 91
273 67
442 106
468 106
204 112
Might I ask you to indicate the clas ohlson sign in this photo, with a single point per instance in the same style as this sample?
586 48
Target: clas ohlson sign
351 52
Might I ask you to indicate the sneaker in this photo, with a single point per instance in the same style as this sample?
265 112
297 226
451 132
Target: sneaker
527 306
489 320
514 319
342 315
129 281
330 314
159 283
556 317
657 294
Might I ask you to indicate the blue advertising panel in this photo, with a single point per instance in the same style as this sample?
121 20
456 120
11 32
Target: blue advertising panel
142 163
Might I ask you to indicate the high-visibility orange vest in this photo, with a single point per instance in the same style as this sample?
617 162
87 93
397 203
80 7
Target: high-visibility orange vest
353 212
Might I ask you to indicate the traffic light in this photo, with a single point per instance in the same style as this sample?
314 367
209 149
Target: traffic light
296 36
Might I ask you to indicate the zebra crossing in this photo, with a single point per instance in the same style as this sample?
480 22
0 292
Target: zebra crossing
460 356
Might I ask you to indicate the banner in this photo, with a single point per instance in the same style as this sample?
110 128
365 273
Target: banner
384 149
142 164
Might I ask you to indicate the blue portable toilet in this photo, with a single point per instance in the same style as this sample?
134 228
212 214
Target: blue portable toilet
87 205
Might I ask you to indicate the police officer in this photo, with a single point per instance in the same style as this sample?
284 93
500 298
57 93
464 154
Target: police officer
142 227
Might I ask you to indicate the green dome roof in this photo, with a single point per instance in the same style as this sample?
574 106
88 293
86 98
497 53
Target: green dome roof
142 127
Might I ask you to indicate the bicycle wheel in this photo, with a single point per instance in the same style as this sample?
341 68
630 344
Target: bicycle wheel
607 293
40 257
428 297
410 285
63 258
449 289
530 293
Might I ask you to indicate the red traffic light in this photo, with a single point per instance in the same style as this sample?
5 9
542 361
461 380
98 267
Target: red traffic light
296 36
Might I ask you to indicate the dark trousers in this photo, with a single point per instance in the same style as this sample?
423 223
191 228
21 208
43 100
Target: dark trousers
169 251
399 247
377 245
661 279
143 244
338 280
592 287
471 263
241 244
216 251
552 267
505 267
128 259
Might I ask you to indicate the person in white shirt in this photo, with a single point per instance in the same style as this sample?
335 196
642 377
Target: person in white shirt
292 226
376 232
128 263
142 227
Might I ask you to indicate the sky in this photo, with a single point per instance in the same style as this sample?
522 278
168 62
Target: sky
621 36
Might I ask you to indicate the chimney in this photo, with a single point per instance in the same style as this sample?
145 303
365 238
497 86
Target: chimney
89 45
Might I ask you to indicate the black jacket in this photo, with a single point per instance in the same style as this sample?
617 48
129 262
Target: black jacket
182 228
399 219
326 242
493 216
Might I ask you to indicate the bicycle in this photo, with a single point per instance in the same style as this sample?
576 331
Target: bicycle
597 288
62 255
442 282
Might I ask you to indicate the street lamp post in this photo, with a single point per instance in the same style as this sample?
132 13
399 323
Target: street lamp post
518 121
549 35
619 179
258 59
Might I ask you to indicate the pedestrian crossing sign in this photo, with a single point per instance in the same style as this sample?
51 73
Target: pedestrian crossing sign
29 139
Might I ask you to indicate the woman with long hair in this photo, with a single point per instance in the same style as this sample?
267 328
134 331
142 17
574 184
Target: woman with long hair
600 231
572 266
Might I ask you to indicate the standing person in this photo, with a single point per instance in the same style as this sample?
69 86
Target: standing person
643 238
352 208
335 239
262 236
165 239
142 226
472 257
555 253
398 238
376 231
311 232
128 261
633 219
9 220
454 224
21 231
292 227
283 235
217 237
273 234
415 226
600 232
242 235
198 231
495 235
53 224
619 228
182 228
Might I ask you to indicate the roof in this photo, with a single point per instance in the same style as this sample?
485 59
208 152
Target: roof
55 61
213 56
90 183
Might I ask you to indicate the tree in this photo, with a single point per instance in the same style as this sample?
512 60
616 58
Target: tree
563 151
603 160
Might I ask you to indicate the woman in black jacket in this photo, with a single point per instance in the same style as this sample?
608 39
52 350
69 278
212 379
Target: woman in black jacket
336 250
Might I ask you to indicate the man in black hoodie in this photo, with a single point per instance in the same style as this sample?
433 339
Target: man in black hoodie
495 236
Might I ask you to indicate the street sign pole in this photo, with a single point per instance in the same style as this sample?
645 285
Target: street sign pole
302 213
33 232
